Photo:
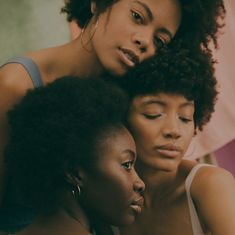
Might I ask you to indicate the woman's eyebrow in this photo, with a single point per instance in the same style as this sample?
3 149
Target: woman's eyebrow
130 153
145 6
187 104
149 102
151 17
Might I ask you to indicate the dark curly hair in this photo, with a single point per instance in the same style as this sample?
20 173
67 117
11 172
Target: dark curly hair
55 129
176 72
201 19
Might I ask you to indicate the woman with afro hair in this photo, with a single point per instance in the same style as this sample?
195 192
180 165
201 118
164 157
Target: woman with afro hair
116 36
71 159
173 98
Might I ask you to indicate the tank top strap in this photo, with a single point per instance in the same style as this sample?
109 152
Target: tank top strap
31 68
192 174
196 226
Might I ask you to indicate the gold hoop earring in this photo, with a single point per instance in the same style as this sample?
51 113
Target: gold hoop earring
84 44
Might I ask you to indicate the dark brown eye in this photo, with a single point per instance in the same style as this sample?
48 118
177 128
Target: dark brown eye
128 165
136 17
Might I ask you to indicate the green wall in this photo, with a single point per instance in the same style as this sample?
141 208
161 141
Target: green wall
27 25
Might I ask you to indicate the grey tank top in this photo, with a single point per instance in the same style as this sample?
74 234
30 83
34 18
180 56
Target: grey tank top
13 215
30 67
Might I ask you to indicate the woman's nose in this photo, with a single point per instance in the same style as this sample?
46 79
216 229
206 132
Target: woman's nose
139 185
171 130
145 45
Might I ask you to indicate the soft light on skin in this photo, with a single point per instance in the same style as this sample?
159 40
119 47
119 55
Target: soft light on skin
163 127
163 124
75 30
113 190
144 26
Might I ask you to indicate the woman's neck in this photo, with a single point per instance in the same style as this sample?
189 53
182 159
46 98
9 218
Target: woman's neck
67 221
159 183
75 212
70 59
83 63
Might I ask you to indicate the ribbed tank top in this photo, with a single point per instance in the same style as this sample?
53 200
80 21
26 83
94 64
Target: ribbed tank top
30 67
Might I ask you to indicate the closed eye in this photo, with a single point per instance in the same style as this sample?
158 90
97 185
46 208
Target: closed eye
159 43
153 116
185 120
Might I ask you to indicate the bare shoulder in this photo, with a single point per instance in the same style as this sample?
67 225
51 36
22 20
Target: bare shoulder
213 191
212 179
14 79
13 85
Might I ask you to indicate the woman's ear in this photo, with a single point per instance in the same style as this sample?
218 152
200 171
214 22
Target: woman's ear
75 178
93 7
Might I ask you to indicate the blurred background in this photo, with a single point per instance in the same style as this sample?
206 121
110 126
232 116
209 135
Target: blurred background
217 141
31 24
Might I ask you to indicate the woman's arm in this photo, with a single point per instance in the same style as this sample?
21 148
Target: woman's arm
14 82
213 191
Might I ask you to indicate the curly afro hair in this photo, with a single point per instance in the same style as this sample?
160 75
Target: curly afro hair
80 10
55 129
201 22
176 72
201 19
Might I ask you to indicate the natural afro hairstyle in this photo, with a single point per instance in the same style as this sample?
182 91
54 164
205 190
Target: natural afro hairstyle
201 19
55 129
176 72
201 22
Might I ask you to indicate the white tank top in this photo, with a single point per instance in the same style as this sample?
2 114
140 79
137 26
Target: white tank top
196 226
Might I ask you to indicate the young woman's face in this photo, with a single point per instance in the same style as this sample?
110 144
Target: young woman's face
132 30
113 191
162 126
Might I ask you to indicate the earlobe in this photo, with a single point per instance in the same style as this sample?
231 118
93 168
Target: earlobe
74 179
93 7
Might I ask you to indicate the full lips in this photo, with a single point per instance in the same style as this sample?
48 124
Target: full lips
124 58
169 153
138 204
136 208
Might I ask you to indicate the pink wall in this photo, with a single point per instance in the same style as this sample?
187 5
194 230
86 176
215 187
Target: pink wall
221 128
226 157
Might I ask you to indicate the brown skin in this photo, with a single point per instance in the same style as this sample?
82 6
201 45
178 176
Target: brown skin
114 186
146 30
74 30
136 32
60 224
169 119
107 193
